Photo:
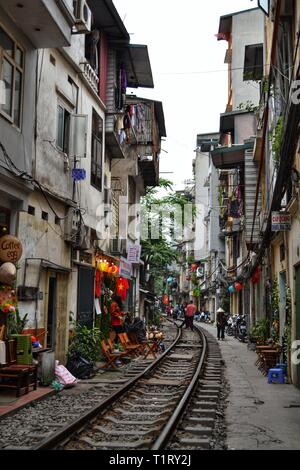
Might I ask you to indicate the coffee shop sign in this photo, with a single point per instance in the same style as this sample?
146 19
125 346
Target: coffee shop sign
281 221
10 249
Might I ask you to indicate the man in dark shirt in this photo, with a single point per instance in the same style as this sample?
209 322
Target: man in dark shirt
221 323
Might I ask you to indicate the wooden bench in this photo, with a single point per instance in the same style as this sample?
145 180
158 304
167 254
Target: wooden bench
18 377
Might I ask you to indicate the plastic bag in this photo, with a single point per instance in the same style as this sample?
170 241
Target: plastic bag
63 376
79 366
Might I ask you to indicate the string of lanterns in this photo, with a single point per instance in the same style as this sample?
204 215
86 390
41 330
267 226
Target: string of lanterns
105 266
236 287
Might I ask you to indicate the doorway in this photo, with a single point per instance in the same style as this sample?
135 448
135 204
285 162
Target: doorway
85 298
282 304
51 317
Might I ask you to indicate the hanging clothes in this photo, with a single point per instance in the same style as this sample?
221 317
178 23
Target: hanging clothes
122 286
98 284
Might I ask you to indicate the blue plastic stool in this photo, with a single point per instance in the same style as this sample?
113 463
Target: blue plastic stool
276 376
283 367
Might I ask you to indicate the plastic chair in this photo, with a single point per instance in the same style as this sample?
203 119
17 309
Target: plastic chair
276 376
283 367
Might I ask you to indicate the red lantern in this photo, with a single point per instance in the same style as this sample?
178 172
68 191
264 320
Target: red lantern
238 286
166 301
194 267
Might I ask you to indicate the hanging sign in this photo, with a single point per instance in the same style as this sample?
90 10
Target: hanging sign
281 221
134 254
125 268
10 249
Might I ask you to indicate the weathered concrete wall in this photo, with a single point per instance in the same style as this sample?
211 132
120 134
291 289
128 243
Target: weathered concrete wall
19 144
202 203
247 29
40 239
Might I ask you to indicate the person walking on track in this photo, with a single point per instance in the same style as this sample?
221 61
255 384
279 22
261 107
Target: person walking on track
221 323
189 316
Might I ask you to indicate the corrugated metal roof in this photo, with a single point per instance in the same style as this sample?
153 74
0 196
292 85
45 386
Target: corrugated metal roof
138 67
107 18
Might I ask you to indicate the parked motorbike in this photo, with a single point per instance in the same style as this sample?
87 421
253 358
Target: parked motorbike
231 325
242 330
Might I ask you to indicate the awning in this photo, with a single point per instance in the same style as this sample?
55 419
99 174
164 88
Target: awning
137 63
107 18
56 267
229 157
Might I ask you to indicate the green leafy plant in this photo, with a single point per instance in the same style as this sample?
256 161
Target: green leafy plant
275 298
16 323
287 334
277 141
261 330
86 342
248 106
194 279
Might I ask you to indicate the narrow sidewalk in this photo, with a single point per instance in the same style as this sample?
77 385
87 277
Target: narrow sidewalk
260 416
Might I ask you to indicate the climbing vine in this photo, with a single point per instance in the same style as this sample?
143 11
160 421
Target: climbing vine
277 141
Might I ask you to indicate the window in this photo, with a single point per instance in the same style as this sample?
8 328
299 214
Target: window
11 76
63 129
31 210
253 66
92 43
4 221
96 151
282 252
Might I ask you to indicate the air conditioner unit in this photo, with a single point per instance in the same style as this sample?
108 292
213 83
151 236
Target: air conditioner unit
72 225
117 246
84 238
83 16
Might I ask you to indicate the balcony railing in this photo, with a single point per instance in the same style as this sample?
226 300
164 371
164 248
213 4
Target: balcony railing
90 75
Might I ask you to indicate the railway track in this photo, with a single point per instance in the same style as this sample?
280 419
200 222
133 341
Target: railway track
26 428
170 405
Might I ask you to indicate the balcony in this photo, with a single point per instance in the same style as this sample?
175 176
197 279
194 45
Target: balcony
149 168
90 75
230 157
46 23
118 140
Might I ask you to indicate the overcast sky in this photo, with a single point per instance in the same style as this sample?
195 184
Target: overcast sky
188 68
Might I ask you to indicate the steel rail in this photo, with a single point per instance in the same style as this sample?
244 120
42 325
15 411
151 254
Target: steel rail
168 430
59 436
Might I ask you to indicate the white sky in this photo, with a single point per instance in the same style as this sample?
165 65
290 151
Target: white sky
181 43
